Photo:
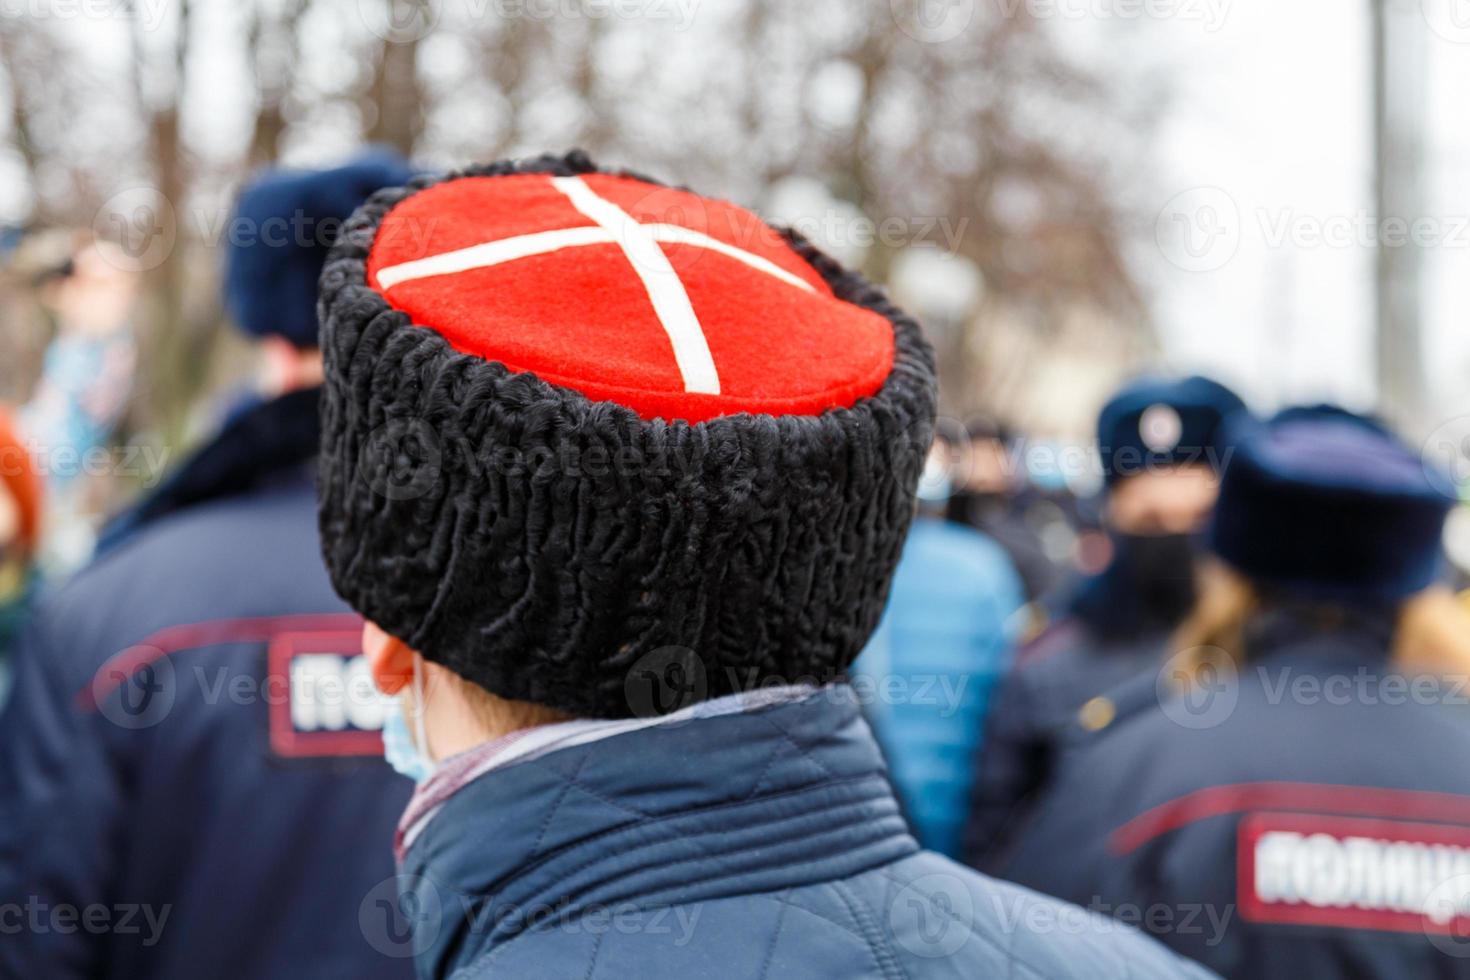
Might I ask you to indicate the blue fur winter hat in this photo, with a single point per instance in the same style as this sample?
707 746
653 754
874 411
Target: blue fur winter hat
1324 504
277 241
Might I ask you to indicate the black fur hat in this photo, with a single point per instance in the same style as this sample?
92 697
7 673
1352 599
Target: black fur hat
581 428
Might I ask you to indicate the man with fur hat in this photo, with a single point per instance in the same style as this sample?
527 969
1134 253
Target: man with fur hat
619 475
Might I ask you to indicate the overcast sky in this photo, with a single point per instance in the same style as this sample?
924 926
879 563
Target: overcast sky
1267 152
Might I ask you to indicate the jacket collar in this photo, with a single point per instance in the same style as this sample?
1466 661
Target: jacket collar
1326 639
254 447
453 774
778 797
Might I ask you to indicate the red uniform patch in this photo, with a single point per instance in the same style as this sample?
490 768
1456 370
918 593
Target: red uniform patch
1354 872
670 304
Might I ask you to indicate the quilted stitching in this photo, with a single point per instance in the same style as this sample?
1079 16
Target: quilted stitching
775 937
556 807
832 847
877 942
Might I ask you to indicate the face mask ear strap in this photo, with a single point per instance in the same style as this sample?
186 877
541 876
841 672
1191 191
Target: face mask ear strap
420 732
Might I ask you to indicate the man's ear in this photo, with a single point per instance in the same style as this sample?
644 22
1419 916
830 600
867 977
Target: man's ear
389 659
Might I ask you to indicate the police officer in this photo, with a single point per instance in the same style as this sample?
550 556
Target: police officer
1289 796
191 773
1161 447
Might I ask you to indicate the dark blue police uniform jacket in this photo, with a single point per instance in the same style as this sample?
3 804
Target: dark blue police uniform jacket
1309 817
1054 675
757 845
191 780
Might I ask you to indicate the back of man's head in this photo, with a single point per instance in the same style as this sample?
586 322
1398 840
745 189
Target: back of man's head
584 432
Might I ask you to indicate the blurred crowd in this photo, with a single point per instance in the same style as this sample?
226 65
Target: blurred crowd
1171 701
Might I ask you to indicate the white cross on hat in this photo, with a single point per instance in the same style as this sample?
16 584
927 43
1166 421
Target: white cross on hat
639 242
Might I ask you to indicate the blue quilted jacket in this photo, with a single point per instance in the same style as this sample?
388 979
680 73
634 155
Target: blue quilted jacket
765 844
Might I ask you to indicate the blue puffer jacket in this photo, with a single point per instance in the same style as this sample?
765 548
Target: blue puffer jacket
764 844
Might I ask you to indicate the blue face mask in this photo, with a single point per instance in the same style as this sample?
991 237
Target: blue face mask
401 749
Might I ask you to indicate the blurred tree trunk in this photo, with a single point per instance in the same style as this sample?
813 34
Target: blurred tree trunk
174 345
21 135
276 50
393 102
862 185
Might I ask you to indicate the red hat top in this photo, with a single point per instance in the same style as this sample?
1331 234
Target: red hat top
671 304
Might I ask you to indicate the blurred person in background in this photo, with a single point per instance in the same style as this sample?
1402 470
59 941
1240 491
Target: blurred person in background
21 507
1296 774
1161 447
89 289
945 640
193 733
994 496
619 610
